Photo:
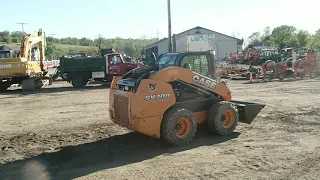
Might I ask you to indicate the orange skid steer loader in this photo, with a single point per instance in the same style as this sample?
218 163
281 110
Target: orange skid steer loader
169 99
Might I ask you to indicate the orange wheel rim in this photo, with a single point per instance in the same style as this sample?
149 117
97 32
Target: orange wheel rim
228 119
183 127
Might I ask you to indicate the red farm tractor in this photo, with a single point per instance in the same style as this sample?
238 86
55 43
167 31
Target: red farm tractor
278 70
310 65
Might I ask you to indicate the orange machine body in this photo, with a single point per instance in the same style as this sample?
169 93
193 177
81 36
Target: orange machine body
143 110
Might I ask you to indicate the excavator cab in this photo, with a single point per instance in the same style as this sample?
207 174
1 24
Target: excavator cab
5 54
172 97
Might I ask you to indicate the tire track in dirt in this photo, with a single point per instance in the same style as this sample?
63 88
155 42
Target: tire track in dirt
31 144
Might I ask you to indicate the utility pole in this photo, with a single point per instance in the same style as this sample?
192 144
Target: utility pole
52 38
52 53
169 28
158 33
22 27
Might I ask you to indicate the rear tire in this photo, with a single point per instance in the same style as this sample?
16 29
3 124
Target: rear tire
79 81
178 127
313 75
223 118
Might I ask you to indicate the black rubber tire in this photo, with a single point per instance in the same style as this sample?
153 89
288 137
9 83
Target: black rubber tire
169 122
281 76
64 76
216 113
79 81
313 75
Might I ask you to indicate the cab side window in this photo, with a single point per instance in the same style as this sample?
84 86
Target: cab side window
115 59
196 63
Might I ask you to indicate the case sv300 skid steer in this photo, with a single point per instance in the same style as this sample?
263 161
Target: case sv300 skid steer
169 99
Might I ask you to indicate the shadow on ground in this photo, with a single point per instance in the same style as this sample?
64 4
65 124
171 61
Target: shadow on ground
51 89
80 160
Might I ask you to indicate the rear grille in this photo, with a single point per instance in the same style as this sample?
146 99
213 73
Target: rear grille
121 109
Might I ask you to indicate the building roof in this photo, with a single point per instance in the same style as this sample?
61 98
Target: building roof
240 41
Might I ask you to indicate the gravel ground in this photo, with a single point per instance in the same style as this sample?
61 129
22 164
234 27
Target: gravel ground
59 132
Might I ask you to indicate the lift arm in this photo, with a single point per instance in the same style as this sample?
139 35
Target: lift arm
30 40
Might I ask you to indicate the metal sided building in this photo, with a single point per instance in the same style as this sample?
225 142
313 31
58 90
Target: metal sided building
222 44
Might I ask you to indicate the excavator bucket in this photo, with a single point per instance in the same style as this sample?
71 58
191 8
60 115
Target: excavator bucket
247 110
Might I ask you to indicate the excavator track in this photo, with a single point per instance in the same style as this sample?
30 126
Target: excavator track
31 84
4 86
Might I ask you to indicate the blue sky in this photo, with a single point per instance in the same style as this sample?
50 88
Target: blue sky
135 18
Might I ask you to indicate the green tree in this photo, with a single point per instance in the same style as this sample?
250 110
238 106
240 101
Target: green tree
132 47
283 36
254 37
303 38
266 36
315 39
5 36
50 51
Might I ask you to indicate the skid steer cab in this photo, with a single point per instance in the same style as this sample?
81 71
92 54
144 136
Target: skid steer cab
169 99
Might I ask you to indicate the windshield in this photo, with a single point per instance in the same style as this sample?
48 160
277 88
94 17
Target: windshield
4 54
167 60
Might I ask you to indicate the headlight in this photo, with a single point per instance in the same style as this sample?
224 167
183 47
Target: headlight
126 88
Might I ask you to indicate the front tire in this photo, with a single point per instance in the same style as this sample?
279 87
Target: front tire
64 76
281 76
178 127
223 118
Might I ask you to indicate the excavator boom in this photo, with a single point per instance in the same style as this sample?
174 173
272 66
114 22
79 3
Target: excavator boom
30 40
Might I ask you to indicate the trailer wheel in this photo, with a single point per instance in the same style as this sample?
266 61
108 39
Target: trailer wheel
64 76
79 81
223 118
313 75
178 127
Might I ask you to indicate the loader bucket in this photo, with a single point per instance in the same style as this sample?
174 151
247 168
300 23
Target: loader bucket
247 110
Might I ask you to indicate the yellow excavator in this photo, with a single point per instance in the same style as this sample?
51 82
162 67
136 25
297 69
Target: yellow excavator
23 68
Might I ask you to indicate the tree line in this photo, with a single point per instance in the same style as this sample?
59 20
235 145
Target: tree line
59 46
286 36
280 37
